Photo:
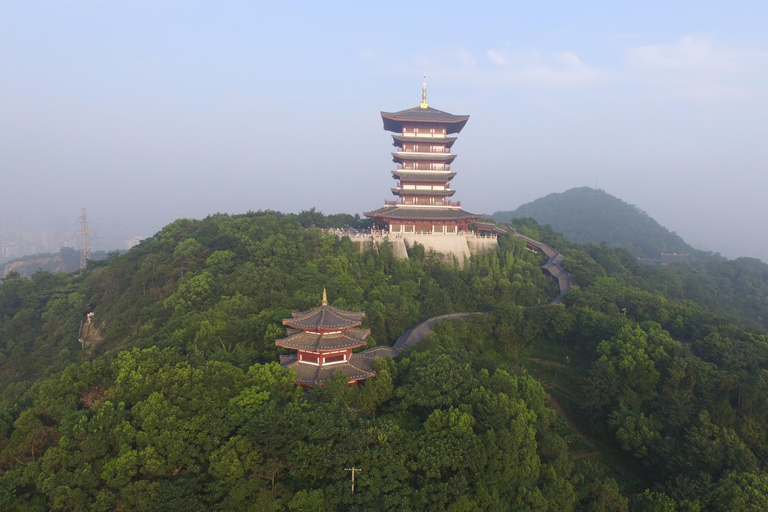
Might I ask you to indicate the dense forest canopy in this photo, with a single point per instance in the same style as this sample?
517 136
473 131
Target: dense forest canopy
632 395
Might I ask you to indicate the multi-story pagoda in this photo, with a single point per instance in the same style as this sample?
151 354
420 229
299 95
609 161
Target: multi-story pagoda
323 339
423 157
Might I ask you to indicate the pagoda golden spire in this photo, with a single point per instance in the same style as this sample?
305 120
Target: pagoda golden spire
424 103
325 298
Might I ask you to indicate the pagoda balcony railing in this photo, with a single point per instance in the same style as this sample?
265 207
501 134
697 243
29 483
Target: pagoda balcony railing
399 186
432 150
436 167
405 202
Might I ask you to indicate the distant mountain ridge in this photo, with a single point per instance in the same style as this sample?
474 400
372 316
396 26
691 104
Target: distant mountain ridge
66 260
585 215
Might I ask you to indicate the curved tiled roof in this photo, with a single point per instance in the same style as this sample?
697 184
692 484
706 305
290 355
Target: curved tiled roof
428 114
399 139
308 374
420 192
324 317
424 176
393 121
428 213
314 341
429 157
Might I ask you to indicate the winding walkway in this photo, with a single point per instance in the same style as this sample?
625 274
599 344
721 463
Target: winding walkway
552 267
414 335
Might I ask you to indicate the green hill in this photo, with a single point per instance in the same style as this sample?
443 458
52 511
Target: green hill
628 396
585 215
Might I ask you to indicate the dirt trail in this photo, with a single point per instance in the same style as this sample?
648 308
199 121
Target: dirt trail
545 362
559 409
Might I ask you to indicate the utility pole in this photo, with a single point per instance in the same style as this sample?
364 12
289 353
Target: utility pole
85 248
353 469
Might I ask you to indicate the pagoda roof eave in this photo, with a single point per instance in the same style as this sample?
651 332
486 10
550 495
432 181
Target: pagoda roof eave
357 368
393 121
324 317
446 158
423 176
425 213
351 338
448 141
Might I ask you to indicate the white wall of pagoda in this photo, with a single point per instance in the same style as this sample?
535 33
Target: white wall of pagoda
437 227
323 357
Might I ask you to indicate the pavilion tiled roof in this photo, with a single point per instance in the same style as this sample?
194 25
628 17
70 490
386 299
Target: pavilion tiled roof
324 317
350 338
393 121
421 192
308 374
424 176
424 213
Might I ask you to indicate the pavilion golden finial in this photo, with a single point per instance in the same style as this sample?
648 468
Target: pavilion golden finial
424 103
325 298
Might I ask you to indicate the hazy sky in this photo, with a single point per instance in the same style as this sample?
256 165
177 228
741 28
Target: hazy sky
146 111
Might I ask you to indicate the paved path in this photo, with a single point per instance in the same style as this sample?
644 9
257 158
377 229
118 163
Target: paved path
552 267
410 337
419 331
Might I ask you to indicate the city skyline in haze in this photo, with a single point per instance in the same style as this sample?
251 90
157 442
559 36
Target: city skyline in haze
147 111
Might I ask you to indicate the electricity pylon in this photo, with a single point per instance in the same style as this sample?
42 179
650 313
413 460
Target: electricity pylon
85 247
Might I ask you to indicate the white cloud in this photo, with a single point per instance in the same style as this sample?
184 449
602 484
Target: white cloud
511 67
697 69
466 58
688 54
496 57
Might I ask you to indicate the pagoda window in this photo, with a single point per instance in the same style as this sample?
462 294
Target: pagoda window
408 228
450 229
335 359
309 358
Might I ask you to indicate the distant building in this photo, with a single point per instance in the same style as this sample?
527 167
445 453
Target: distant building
16 244
323 339
666 259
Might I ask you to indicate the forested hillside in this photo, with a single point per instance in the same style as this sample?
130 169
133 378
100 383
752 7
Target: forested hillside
182 406
585 215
